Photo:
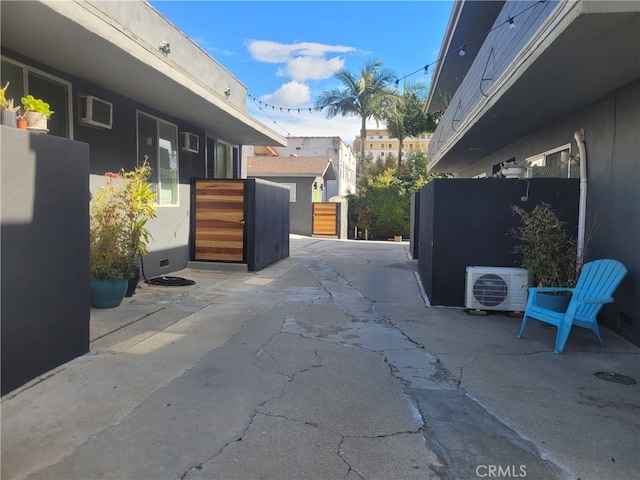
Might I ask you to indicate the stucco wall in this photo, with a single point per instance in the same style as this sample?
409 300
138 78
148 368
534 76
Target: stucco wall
45 305
185 53
114 149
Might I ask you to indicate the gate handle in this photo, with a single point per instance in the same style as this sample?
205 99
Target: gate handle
242 222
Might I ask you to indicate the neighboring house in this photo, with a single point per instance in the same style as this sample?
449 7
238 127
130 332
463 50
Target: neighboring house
341 155
379 144
123 79
307 179
533 75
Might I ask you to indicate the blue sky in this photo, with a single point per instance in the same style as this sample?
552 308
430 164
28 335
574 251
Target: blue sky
286 52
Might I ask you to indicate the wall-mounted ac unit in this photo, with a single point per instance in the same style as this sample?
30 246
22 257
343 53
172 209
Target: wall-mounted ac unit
95 112
190 142
496 288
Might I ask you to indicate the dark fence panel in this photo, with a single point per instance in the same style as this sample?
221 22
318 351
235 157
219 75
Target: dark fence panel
414 226
465 222
45 254
267 238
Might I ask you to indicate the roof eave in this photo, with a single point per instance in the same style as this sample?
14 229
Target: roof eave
96 48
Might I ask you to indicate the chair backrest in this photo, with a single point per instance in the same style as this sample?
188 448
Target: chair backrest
598 279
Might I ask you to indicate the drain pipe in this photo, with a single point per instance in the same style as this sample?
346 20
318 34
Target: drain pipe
582 212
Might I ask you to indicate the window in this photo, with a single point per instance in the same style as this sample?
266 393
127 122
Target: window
555 162
158 141
223 159
292 191
24 80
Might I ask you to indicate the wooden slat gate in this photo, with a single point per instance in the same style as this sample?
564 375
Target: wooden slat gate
325 219
219 212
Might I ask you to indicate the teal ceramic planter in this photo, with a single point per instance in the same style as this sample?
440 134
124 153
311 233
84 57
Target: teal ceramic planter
108 293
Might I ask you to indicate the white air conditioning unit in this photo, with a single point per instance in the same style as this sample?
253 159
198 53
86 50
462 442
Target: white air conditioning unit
95 112
190 142
496 288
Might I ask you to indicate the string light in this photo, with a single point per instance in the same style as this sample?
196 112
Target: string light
461 52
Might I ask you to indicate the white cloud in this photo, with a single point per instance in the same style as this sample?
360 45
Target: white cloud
311 68
289 94
301 61
275 52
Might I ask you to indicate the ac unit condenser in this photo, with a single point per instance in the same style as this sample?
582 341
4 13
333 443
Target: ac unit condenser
496 288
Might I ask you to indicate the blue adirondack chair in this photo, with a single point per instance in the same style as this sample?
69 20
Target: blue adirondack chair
596 284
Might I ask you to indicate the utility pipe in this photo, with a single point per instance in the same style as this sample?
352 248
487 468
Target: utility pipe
582 211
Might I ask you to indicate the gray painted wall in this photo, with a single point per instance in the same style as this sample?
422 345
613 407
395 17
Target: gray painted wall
301 211
613 188
116 148
267 223
45 305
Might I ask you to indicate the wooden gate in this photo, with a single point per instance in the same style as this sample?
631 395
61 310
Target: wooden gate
325 219
219 220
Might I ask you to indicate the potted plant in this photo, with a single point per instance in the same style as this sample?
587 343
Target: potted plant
511 169
118 234
37 113
9 112
549 252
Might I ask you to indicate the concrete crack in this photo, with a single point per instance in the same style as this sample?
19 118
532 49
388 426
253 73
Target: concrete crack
228 444
349 467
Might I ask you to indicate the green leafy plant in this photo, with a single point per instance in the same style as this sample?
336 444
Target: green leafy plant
31 104
7 103
548 251
118 217
382 206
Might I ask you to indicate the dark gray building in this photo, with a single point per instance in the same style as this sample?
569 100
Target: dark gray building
550 83
123 79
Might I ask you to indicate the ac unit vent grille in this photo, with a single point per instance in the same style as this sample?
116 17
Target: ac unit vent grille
490 290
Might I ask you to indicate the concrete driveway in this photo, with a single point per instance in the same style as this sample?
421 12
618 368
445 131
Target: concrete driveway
325 365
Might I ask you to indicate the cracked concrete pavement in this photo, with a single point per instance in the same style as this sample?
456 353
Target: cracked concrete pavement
325 365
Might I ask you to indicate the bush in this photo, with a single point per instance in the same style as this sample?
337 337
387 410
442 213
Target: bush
548 251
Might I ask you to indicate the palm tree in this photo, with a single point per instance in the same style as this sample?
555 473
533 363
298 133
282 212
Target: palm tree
406 117
365 95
